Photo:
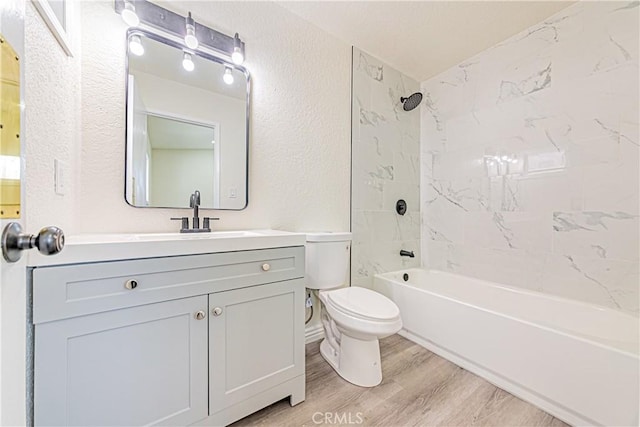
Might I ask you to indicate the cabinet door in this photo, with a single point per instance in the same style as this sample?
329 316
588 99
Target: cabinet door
256 340
135 366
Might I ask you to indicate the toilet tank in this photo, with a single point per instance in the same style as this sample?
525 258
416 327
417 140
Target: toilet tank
327 260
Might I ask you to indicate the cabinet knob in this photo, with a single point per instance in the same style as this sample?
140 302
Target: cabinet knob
200 315
266 267
131 284
216 311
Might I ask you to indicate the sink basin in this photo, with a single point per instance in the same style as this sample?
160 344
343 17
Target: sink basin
111 247
191 236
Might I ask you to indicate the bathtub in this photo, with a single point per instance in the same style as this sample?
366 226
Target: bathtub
577 361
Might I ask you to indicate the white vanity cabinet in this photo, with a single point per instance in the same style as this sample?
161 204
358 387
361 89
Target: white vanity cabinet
135 366
200 339
253 347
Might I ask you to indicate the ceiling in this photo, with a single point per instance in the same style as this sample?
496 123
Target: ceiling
424 38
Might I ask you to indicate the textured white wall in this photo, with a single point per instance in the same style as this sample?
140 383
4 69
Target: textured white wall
52 126
300 121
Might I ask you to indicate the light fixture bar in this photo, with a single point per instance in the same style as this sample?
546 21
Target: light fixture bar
165 20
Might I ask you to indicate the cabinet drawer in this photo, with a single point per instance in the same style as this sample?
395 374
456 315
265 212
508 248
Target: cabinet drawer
73 290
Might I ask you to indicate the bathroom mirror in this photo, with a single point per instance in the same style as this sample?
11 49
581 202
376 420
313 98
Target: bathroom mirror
187 126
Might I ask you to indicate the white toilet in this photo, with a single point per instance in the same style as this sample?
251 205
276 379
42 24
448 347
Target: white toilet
354 318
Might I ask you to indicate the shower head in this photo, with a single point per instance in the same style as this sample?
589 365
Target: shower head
411 102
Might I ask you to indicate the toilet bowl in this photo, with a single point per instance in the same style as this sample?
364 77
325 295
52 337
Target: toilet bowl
353 318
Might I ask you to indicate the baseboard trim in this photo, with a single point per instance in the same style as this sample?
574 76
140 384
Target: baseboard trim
313 334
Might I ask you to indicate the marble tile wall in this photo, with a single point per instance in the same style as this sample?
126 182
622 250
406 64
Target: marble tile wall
529 159
386 167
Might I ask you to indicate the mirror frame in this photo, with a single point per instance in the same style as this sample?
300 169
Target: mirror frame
210 57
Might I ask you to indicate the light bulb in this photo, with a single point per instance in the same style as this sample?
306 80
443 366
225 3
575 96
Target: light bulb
129 15
187 62
228 77
135 46
237 56
190 38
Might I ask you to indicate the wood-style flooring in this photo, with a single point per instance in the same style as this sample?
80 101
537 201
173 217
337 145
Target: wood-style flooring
418 388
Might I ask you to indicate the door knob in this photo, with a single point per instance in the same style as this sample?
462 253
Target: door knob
216 311
49 241
200 315
266 267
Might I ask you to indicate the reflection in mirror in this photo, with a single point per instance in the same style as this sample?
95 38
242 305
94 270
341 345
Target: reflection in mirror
187 127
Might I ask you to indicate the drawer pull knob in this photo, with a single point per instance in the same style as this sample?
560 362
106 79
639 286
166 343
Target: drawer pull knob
131 284
266 267
216 311
200 315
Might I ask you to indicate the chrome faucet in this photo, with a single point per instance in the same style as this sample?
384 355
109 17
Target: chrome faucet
194 202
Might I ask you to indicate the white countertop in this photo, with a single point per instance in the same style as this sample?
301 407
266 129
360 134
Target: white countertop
110 247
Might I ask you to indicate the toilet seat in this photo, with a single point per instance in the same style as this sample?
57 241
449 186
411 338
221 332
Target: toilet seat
363 303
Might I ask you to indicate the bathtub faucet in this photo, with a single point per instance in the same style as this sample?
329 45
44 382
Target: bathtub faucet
406 253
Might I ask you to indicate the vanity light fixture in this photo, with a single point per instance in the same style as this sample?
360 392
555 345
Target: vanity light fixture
129 15
135 46
238 51
187 62
194 35
190 38
228 77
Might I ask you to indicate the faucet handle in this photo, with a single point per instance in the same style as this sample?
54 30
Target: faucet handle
205 223
185 222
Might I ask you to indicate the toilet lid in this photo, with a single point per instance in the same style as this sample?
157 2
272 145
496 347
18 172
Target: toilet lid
363 302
